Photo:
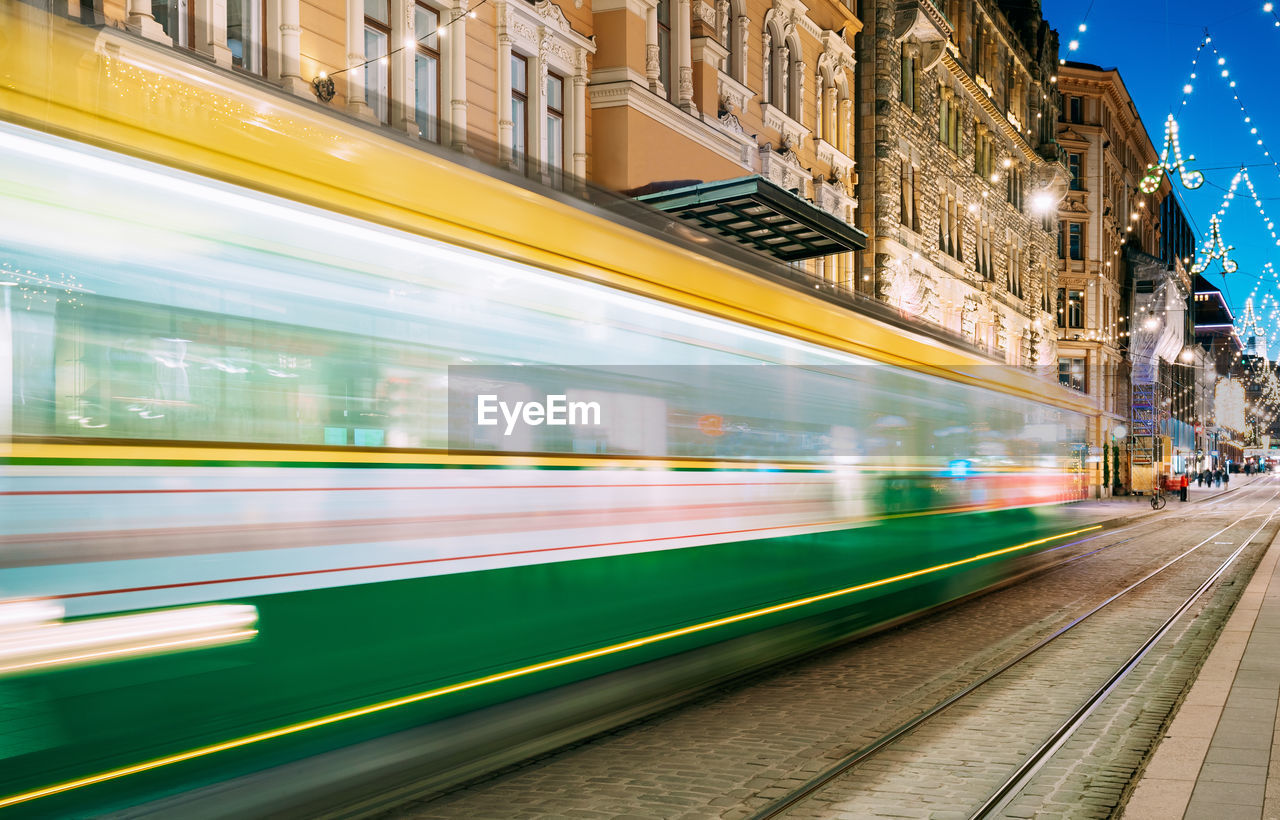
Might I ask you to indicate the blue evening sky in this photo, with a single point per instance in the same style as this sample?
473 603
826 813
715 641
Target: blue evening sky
1153 43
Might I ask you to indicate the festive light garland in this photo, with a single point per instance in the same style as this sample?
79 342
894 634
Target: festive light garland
1190 179
1214 249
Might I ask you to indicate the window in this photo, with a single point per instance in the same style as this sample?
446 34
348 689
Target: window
908 198
983 151
910 80
1013 183
174 16
949 120
1062 307
1075 244
426 72
245 24
733 38
377 76
1017 261
519 109
982 254
1071 372
950 226
1077 174
1075 309
555 123
664 46
1076 108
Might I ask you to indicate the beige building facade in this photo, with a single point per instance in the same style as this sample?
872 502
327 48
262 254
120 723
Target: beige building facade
1103 221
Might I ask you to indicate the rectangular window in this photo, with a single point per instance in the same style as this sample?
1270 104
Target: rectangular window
907 94
1062 240
245 24
1071 372
377 74
426 72
1075 309
1062 307
555 123
519 109
1075 244
1075 168
1077 109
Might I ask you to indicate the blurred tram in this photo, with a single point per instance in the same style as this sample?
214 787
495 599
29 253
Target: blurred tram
235 533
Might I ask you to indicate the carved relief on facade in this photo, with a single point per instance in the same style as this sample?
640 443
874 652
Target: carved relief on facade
911 291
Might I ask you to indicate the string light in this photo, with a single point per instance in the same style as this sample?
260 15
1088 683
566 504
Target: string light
323 85
1214 249
1190 179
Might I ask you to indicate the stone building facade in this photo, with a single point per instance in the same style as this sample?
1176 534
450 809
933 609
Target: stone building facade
959 171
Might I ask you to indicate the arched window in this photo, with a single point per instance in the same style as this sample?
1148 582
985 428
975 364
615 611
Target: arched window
733 36
793 101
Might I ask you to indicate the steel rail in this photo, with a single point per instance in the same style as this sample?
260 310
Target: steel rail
782 804
1026 771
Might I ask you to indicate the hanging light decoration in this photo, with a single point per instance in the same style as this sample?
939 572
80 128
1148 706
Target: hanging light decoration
1190 179
1215 249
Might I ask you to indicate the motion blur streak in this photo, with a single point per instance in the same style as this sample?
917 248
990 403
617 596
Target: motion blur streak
515 673
39 643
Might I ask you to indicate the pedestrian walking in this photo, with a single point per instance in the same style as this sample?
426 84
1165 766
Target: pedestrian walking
1226 479
1200 478
1186 486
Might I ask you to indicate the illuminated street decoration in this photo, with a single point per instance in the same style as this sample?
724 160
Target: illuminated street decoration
1190 179
1215 249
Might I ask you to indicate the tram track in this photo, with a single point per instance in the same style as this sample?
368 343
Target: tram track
1000 799
749 739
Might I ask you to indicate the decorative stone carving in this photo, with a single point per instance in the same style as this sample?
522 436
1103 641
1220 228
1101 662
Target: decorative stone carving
730 122
920 25
784 169
910 291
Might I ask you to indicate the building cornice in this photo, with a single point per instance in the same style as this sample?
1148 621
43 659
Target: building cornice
993 112
630 95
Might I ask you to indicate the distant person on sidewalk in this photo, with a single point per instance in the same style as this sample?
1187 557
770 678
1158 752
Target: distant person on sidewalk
1226 479
1186 486
1200 479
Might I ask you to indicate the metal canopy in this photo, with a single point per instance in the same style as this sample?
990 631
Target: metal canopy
762 215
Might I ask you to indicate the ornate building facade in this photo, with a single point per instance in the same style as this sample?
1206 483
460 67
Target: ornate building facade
685 92
1107 225
959 170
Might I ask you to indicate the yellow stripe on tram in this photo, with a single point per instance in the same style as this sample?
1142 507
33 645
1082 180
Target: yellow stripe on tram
295 728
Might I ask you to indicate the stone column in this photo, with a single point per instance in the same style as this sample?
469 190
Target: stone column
681 33
290 66
458 79
580 116
138 18
356 103
845 133
830 122
404 55
505 123
652 70
211 31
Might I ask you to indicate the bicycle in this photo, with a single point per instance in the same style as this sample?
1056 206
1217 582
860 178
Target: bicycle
1158 500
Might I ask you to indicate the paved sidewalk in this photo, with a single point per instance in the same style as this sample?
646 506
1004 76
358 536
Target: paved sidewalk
1220 760
1132 506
